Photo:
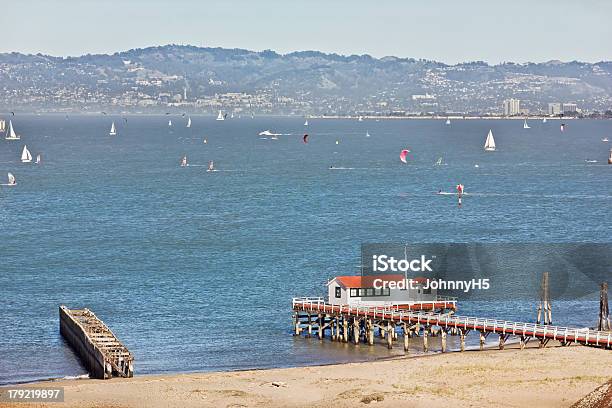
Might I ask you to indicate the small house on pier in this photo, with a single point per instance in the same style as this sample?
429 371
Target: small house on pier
379 290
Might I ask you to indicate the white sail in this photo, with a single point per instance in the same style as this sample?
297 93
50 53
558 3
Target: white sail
184 161
306 123
448 121
189 122
544 120
525 125
38 158
360 119
610 158
367 134
439 161
26 156
113 130
11 179
490 142
220 116
2 125
11 135
169 122
211 166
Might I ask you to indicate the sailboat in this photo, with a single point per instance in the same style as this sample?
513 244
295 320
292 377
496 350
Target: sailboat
11 135
211 166
360 119
306 123
544 120
26 156
38 159
448 121
189 122
610 157
169 122
232 115
440 161
367 134
2 125
526 125
11 180
184 161
220 116
113 130
490 142
605 139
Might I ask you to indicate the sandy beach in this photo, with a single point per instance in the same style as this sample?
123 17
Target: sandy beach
551 377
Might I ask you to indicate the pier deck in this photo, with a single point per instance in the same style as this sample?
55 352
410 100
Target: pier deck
99 349
428 318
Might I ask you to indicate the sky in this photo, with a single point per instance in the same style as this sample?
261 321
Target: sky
449 31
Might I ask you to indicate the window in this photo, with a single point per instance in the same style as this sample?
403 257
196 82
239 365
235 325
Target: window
354 293
369 292
338 292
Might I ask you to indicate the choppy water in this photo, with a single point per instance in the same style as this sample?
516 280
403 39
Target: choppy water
195 271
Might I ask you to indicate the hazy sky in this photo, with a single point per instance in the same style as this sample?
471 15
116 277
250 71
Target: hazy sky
446 30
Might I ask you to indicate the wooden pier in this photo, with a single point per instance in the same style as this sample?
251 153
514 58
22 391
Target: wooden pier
99 349
356 324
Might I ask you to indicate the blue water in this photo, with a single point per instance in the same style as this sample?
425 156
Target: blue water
195 271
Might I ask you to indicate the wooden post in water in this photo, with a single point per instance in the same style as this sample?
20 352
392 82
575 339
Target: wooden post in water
389 335
604 312
345 329
425 345
321 319
443 334
482 340
370 331
544 307
462 339
355 330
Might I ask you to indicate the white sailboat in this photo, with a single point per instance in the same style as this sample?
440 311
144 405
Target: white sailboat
38 159
306 123
544 120
184 161
11 135
610 157
360 119
448 121
440 161
113 130
526 125
490 142
211 166
189 122
11 180
169 122
26 156
220 116
367 134
2 125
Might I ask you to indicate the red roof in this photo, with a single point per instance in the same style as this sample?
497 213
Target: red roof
366 281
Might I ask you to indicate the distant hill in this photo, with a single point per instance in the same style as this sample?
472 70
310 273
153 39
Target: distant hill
157 78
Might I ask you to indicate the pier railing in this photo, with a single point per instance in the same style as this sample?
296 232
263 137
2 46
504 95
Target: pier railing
424 313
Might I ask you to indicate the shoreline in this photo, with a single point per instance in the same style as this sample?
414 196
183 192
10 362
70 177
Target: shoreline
547 377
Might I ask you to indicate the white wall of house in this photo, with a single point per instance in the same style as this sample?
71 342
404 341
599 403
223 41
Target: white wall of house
395 297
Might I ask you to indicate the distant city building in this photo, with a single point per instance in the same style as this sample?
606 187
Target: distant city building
554 109
570 107
512 107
